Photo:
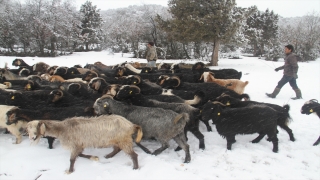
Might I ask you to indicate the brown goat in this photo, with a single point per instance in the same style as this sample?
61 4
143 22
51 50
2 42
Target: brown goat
78 133
235 84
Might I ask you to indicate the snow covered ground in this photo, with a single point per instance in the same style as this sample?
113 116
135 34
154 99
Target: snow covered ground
295 160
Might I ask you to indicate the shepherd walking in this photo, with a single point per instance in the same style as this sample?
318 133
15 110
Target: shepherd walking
290 70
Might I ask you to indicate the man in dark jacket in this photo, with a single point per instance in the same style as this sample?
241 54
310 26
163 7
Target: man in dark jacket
290 70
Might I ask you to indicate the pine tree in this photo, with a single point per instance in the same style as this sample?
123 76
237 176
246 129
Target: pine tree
91 23
213 21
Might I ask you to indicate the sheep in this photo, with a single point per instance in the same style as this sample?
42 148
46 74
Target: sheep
19 116
158 123
236 84
132 94
28 99
79 133
6 74
40 68
282 120
246 120
211 90
15 129
311 106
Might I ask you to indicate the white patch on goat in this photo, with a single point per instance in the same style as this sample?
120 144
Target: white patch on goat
133 69
167 92
205 76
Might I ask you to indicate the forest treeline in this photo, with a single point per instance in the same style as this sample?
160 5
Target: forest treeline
202 29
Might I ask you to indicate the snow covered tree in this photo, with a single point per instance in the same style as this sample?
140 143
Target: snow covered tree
213 21
91 22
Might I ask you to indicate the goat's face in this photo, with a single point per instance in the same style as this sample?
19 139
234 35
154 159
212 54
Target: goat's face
224 99
55 96
169 82
11 116
132 80
14 97
112 89
119 72
89 75
17 62
210 111
36 130
73 70
308 106
96 83
101 107
60 71
51 69
127 91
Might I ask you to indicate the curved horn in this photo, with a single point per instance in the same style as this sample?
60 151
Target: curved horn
138 78
136 87
178 79
217 102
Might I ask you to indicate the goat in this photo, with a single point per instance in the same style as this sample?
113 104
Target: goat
246 120
19 116
79 133
16 128
311 106
237 85
158 123
132 94
211 90
282 119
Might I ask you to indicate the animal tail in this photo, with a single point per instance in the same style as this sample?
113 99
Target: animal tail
139 132
184 116
246 97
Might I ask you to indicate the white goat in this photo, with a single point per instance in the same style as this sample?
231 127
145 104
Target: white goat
78 133
234 84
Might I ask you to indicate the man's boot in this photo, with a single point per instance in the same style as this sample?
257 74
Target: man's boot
298 94
275 93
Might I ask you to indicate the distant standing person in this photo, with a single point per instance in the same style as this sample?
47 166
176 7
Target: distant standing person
151 55
290 70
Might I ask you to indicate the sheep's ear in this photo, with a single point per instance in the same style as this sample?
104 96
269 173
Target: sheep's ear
42 128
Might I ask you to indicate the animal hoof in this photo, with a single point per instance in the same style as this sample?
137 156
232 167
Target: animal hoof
292 139
94 158
178 148
275 150
68 172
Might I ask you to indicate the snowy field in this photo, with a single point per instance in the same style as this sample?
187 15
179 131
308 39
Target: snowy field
295 160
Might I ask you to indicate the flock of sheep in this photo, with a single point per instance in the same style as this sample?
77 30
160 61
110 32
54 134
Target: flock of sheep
113 106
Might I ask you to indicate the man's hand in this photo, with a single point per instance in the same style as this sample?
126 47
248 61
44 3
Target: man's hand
277 69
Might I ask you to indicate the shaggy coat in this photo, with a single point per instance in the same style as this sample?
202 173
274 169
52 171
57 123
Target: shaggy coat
79 133
132 95
246 120
282 120
309 107
158 123
237 85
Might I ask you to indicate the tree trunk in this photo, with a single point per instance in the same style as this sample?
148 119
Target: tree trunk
87 46
215 54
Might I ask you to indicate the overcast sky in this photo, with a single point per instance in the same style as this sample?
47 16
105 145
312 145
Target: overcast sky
285 8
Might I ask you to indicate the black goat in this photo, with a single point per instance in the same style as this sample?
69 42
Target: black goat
283 118
211 90
246 120
311 106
